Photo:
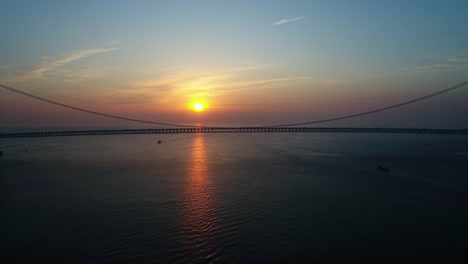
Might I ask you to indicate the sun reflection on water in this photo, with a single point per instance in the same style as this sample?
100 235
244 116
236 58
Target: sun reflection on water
200 220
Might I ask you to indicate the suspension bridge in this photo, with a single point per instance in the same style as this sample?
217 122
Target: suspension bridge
23 114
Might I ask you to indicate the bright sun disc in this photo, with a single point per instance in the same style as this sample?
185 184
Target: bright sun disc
198 107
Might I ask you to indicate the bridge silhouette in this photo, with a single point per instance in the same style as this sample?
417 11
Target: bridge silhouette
441 112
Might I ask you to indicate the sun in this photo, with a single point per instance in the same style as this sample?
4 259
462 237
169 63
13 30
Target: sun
198 107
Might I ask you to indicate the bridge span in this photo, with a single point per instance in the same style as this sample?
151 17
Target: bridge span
27 115
233 130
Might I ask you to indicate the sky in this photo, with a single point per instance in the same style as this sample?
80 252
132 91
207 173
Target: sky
246 61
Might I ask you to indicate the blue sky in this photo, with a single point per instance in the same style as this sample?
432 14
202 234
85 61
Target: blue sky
238 57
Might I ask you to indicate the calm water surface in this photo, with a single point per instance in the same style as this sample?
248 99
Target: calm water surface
234 198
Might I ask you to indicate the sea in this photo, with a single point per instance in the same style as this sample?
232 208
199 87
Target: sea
235 198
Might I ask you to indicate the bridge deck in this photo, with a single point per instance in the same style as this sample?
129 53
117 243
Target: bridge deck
233 130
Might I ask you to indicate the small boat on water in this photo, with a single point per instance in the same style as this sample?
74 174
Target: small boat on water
159 141
382 168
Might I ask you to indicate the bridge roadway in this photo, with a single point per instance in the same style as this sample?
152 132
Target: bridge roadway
232 130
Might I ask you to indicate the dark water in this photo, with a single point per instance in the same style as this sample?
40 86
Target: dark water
235 198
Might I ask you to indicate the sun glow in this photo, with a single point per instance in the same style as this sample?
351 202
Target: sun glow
198 107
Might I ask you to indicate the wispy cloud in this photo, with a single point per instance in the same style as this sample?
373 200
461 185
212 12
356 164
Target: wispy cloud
202 86
185 83
186 79
451 63
4 67
284 21
239 68
54 65
435 67
260 83
458 59
79 73
194 83
250 68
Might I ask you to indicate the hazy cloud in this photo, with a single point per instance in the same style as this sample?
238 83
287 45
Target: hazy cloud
242 68
284 21
435 67
451 63
77 74
458 59
250 68
241 85
197 84
54 65
187 79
